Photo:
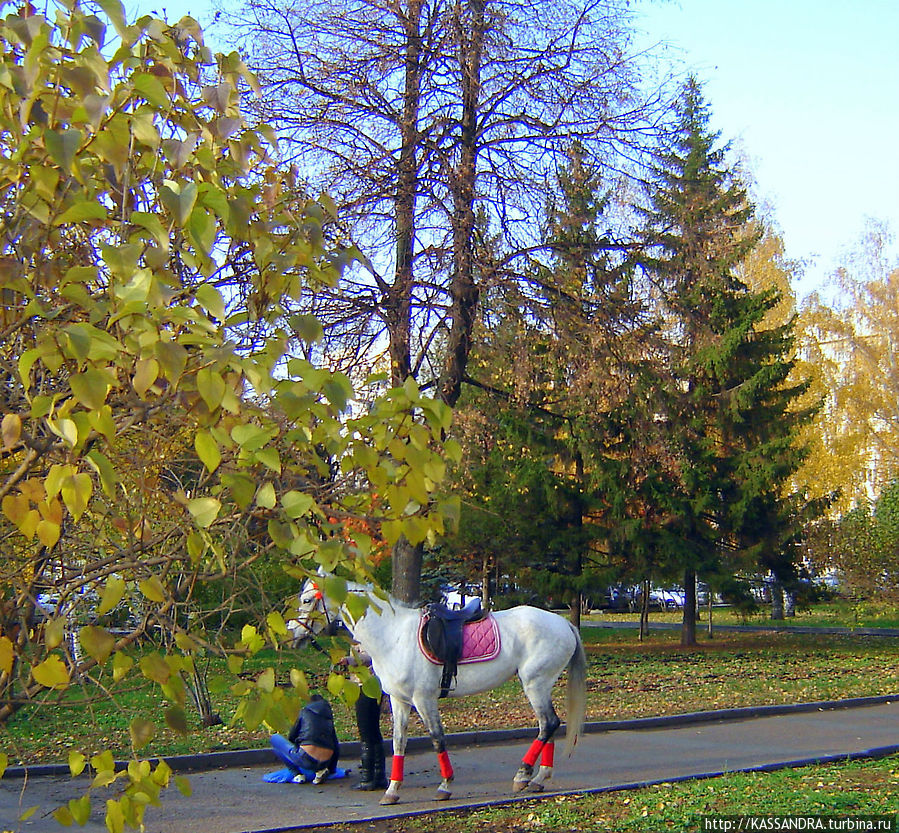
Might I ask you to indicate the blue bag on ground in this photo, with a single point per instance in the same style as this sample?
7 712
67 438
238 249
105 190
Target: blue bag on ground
286 775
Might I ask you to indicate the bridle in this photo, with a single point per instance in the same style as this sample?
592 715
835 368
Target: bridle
318 605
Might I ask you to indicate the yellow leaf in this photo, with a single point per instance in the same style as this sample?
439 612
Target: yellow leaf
113 591
211 386
155 668
65 429
77 762
121 665
266 680
146 372
7 654
276 622
152 588
162 774
80 808
15 507
299 682
10 429
115 817
204 510
98 642
76 493
265 497
57 475
51 673
336 684
54 632
48 532
207 450
28 525
142 732
90 388
185 643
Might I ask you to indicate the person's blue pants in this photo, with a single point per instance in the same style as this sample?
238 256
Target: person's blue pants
297 758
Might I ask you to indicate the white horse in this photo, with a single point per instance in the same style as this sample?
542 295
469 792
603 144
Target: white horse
533 643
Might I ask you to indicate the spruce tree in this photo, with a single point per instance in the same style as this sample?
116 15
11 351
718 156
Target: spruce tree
730 404
550 371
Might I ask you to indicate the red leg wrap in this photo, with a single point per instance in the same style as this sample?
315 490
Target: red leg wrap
396 769
530 757
446 768
546 759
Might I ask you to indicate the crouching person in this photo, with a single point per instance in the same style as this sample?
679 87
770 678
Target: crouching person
311 748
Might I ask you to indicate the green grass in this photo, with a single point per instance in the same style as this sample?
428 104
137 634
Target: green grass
625 679
842 613
844 789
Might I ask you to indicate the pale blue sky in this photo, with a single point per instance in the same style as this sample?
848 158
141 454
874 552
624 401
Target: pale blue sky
807 89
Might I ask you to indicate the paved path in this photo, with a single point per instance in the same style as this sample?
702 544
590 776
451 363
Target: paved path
611 756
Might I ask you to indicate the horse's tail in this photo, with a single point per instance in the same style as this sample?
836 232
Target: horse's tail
576 706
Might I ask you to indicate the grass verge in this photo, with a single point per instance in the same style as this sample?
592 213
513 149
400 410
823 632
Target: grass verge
843 790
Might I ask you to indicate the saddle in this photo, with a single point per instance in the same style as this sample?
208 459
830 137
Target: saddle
441 636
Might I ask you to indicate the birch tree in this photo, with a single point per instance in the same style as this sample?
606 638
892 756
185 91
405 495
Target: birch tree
157 406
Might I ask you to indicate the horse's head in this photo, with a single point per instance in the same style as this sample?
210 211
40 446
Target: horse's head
318 613
315 614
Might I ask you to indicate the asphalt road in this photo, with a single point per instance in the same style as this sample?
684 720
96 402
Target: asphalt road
610 756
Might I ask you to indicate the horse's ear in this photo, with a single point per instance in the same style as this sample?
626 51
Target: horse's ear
321 571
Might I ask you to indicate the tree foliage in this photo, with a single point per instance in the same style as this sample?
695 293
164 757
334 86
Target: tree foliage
852 340
557 358
165 419
438 126
732 408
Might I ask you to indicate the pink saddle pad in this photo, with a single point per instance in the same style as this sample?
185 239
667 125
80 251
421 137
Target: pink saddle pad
480 641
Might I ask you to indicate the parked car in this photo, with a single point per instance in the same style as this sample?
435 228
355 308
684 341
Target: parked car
662 598
619 597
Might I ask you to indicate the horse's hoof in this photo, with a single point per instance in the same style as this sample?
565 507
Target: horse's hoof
442 795
518 786
535 787
389 798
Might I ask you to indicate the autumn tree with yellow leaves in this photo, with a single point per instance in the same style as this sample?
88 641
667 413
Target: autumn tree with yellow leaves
164 423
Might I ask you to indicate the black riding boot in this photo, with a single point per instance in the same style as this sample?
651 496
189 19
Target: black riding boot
368 762
368 716
378 775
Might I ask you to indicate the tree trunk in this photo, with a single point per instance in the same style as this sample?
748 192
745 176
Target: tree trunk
644 610
406 562
574 610
398 298
195 682
577 522
470 31
688 624
777 601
